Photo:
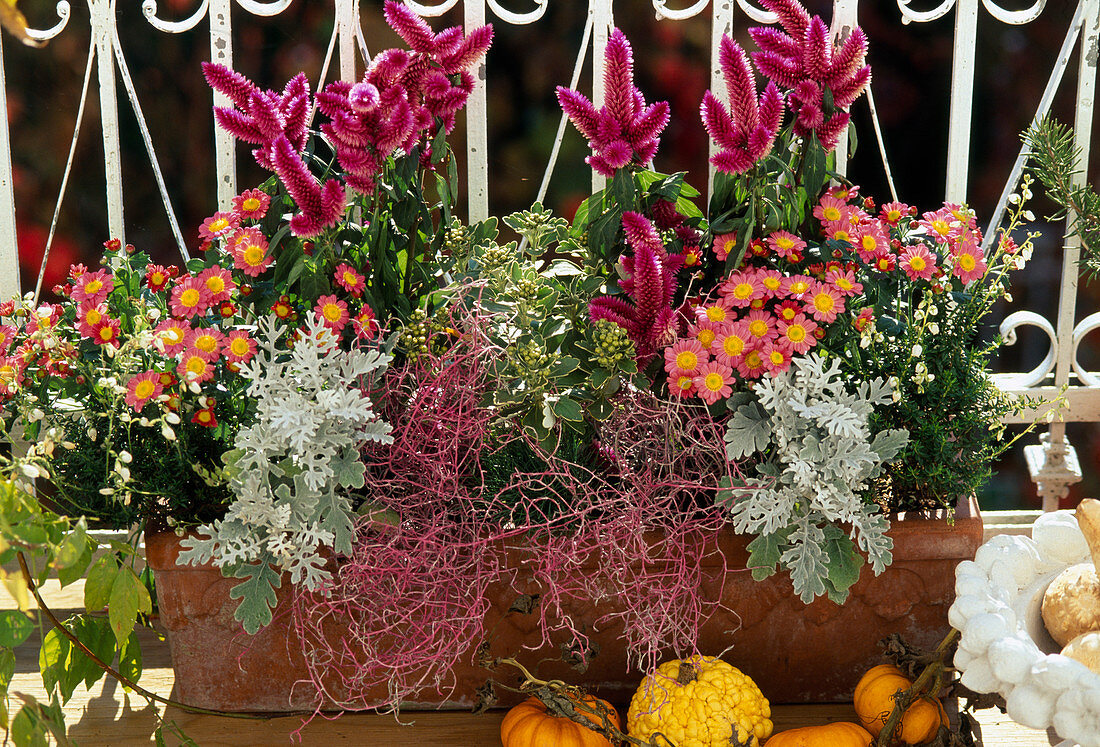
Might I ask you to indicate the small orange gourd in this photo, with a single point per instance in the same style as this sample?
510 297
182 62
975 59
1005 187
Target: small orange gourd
874 699
838 734
529 725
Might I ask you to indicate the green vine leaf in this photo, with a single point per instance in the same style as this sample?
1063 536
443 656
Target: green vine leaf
15 627
101 577
128 597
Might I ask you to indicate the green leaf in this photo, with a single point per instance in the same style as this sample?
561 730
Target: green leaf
95 633
27 728
72 547
568 409
7 668
128 597
564 365
52 657
256 592
75 572
15 627
843 563
764 554
129 659
101 577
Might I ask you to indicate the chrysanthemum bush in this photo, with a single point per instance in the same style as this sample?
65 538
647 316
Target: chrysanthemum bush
607 392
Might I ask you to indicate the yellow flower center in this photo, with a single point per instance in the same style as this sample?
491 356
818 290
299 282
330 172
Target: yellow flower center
250 205
742 291
195 365
831 213
282 310
93 316
173 335
684 383
106 333
869 243
706 337
776 358
714 381
686 360
758 328
239 346
215 284
218 225
967 262
753 360
893 216
350 278
799 287
733 345
772 283
716 313
253 255
206 343
941 227
785 243
796 333
787 313
332 312
190 298
918 264
157 278
144 389
844 283
842 235
824 302
93 286
7 374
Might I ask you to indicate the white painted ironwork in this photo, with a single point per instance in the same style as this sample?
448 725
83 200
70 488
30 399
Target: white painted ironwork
1053 461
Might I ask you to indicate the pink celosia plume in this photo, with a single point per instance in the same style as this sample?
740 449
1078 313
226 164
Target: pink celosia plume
650 283
745 133
624 130
802 59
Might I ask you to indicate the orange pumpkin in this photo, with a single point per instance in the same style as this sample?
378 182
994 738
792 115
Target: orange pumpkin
529 725
838 734
874 699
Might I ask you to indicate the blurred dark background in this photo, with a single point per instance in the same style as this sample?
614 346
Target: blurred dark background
912 72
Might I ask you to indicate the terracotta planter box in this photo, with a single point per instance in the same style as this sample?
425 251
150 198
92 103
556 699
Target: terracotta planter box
796 653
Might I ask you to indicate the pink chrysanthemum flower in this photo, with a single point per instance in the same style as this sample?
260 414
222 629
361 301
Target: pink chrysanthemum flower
350 280
207 341
157 277
772 282
785 244
685 357
252 204
93 286
88 316
917 262
787 310
869 241
249 251
969 263
796 286
706 332
732 345
831 210
884 261
844 281
106 332
797 335
219 284
7 337
777 359
724 245
238 347
11 375
365 324
740 289
681 385
864 318
173 335
892 212
941 225
143 388
712 382
205 417
189 298
624 130
219 225
746 131
332 312
963 214
752 365
823 302
193 367
717 311
761 327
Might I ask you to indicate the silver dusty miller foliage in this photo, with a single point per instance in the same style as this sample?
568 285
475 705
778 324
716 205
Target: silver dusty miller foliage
818 460
291 470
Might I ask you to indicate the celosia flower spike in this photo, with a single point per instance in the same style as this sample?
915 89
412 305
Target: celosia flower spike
804 61
320 207
650 283
624 130
748 134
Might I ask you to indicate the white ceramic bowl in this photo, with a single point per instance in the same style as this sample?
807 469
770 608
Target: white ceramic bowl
1005 647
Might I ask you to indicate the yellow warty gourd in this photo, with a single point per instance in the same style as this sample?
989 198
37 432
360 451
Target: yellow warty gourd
700 702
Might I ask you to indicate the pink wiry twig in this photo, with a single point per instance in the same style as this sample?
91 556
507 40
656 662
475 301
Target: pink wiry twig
625 529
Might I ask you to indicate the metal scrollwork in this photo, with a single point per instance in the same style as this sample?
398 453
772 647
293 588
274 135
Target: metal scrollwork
1015 17
1086 325
757 14
908 15
264 9
149 10
63 11
664 12
1040 372
430 11
519 19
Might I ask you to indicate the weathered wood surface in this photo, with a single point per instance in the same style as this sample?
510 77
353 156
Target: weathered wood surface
108 716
